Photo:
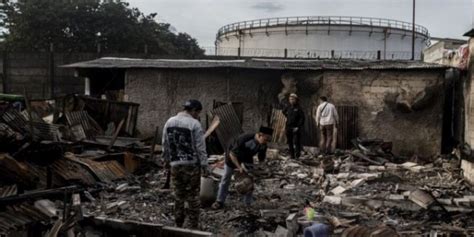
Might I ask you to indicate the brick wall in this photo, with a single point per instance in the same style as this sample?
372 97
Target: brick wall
161 92
418 132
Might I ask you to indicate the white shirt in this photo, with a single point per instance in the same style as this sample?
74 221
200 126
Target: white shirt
326 114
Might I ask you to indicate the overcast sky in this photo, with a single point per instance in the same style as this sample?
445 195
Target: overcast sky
202 18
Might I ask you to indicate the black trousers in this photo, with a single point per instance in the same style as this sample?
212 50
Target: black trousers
294 142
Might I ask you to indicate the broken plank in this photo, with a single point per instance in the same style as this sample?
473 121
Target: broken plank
422 198
359 155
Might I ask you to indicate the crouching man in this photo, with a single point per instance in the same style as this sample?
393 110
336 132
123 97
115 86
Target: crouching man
241 152
184 148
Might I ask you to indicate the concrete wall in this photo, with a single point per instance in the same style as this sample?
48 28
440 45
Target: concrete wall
468 170
417 132
435 53
161 92
447 53
468 165
469 99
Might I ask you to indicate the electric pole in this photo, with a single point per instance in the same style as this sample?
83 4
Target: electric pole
413 34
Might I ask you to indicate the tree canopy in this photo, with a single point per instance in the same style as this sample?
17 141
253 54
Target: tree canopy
83 25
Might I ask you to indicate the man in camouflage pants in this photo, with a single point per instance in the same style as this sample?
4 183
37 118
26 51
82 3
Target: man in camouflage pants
184 148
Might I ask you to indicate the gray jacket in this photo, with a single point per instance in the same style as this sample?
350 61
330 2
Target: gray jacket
183 141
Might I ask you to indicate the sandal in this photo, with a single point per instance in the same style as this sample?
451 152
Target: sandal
217 205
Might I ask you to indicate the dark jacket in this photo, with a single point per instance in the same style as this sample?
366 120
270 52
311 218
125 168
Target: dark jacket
244 148
294 116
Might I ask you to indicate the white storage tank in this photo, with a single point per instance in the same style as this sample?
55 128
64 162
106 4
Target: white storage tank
322 37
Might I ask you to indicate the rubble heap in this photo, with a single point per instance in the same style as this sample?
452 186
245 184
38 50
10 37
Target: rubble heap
83 169
347 194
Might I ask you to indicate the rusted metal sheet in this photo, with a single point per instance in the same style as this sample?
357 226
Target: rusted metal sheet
83 119
41 130
13 171
106 111
7 191
278 123
16 217
47 131
347 129
103 171
6 130
131 162
71 171
34 115
238 107
15 120
229 127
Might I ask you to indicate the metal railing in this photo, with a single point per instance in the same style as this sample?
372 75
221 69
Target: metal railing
321 20
312 54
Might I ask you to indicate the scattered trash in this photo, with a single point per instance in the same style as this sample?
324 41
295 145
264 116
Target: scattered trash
112 177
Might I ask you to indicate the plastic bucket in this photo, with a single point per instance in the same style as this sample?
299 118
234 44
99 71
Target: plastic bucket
208 192
317 230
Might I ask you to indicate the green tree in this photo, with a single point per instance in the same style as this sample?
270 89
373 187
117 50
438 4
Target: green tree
80 27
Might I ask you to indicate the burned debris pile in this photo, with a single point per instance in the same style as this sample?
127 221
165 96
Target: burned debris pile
351 195
56 154
70 167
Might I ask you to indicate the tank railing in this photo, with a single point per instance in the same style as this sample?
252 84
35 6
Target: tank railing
305 53
320 20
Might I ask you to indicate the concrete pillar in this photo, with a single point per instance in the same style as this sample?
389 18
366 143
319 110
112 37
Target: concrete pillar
51 72
87 86
5 72
99 50
468 171
145 50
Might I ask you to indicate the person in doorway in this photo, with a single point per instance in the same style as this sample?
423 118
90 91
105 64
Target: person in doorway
326 120
241 152
294 124
184 150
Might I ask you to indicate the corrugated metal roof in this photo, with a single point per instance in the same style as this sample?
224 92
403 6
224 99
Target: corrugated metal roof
16 217
7 191
469 33
254 63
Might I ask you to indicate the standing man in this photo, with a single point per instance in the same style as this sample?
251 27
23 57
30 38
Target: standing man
184 149
326 119
241 152
294 123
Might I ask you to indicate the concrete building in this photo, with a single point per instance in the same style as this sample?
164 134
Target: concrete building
398 101
468 93
321 37
450 52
